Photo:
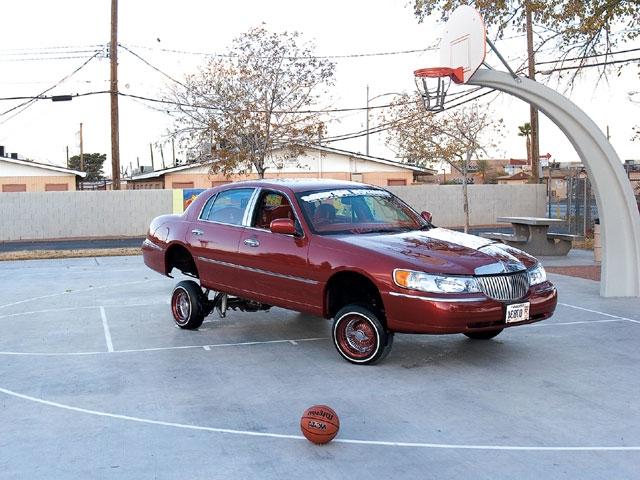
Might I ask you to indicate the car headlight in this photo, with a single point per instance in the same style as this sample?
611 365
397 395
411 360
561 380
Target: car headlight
537 274
427 282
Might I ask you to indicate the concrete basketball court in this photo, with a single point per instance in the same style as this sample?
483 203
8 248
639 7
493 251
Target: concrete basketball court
96 382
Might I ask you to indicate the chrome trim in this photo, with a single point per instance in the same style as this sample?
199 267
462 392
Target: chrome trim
204 205
438 299
506 287
197 231
151 245
251 205
257 270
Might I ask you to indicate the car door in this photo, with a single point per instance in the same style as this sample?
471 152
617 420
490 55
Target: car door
214 237
277 265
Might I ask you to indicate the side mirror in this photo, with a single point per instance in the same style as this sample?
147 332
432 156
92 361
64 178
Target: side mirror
284 226
427 216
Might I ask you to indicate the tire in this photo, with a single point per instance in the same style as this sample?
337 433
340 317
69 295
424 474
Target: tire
487 335
359 335
188 305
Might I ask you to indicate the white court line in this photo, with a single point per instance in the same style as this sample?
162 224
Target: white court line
541 324
67 309
250 433
107 333
76 291
161 349
599 313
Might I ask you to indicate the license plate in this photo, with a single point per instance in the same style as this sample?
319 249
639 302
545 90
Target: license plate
517 312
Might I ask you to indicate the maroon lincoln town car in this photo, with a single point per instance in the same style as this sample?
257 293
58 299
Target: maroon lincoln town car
347 251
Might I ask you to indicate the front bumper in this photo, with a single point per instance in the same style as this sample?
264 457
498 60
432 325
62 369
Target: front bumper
409 312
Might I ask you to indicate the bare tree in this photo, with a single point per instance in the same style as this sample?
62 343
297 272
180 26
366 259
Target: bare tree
454 137
261 97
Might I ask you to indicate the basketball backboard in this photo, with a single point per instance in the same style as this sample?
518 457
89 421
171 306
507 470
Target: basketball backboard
464 41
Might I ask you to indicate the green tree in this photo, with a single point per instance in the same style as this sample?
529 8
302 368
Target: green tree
524 130
455 137
257 99
93 165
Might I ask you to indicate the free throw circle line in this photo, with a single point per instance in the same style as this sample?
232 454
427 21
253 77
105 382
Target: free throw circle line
250 433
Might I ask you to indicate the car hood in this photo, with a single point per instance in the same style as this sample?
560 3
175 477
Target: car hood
439 250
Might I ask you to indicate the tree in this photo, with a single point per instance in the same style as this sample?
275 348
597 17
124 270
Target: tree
93 164
524 130
581 28
455 137
260 97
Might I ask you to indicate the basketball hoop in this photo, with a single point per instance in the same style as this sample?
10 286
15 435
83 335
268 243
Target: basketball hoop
433 84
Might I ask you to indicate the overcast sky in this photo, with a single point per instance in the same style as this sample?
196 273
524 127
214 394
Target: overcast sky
30 63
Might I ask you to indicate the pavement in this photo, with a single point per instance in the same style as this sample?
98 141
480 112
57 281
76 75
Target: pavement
97 382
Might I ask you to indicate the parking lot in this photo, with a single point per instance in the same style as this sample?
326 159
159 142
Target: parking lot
97 382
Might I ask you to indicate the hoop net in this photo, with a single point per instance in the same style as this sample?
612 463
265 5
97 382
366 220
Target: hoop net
433 84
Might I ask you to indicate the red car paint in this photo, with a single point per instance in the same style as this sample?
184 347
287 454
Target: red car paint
293 271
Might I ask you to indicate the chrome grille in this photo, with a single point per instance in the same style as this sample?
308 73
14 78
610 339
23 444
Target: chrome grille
505 287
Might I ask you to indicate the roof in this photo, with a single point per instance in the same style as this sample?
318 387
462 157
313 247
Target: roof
517 176
384 161
299 184
46 166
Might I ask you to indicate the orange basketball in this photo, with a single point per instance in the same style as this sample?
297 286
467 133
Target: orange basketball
320 424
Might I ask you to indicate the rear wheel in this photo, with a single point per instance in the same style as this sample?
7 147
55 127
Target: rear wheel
188 305
359 335
484 335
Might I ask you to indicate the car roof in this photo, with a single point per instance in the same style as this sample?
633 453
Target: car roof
301 184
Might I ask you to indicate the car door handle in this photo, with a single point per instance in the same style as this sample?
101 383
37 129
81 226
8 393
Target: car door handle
251 242
197 231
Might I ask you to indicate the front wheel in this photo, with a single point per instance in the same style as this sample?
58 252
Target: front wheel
188 305
359 336
484 335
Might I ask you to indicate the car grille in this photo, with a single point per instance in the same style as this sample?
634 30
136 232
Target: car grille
505 287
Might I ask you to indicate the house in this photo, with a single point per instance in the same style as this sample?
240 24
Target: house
315 162
19 175
516 179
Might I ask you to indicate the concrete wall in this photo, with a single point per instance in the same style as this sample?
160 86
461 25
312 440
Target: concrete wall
486 202
51 215
39 215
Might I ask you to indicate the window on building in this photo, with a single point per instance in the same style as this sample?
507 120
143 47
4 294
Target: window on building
396 182
56 187
14 187
356 177
182 185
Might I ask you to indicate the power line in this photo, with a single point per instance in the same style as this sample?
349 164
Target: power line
23 106
152 66
584 57
293 57
599 64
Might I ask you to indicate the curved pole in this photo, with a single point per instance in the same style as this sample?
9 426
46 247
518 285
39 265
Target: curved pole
619 218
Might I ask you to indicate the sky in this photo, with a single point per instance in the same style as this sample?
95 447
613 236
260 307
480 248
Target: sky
41 42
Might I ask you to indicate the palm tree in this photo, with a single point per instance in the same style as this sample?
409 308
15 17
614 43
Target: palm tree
525 131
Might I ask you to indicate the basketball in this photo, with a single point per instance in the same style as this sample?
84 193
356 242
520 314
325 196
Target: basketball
319 424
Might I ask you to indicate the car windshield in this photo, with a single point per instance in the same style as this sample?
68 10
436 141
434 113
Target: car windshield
357 210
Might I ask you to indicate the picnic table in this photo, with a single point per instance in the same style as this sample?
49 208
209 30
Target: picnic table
532 235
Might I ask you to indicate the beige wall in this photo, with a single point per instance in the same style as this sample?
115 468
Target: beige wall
204 180
37 184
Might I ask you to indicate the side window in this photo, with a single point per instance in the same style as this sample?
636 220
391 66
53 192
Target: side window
271 206
228 206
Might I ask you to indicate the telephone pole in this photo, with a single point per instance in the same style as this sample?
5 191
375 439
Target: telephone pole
115 132
535 142
81 150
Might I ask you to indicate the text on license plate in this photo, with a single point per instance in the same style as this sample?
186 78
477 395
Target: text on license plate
517 312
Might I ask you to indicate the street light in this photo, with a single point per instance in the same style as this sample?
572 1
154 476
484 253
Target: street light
368 100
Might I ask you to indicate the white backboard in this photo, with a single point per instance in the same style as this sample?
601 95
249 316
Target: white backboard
463 41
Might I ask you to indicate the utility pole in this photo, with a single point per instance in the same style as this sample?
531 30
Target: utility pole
162 157
81 150
153 166
67 156
173 149
535 142
367 128
115 132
